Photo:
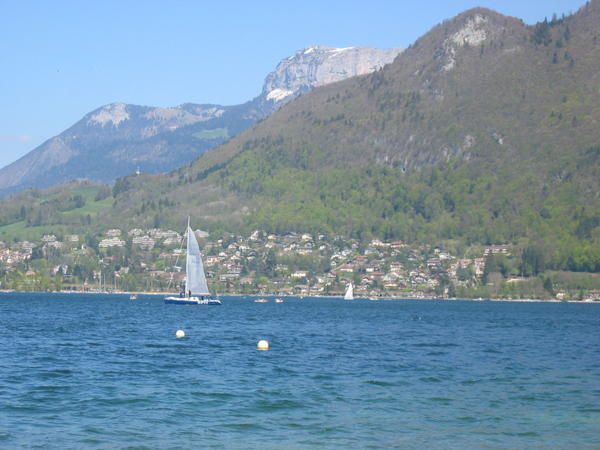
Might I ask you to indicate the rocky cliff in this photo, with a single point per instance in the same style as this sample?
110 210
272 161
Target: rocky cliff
317 66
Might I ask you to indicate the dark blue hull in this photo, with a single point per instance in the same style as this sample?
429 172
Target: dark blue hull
192 301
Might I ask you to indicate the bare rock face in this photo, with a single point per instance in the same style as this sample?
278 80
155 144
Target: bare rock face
317 66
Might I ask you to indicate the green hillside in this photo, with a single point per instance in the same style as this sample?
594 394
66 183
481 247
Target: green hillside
501 147
62 210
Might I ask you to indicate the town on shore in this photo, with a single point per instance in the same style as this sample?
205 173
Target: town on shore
301 264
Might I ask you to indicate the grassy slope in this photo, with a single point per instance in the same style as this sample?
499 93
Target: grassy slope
61 222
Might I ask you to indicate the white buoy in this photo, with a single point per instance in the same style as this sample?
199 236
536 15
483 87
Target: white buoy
262 345
180 334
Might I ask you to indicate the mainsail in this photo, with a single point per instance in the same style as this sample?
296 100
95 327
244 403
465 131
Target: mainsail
195 280
349 293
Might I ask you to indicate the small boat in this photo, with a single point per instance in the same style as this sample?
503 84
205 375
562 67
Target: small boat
133 297
349 295
373 298
278 300
196 288
261 300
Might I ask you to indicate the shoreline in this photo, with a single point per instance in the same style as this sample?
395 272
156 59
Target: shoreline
389 298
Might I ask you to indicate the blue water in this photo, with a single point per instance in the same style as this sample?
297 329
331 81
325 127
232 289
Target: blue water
106 372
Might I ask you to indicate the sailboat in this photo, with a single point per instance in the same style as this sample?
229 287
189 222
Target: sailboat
349 295
196 288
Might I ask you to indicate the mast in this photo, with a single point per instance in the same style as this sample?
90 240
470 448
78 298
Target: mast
187 258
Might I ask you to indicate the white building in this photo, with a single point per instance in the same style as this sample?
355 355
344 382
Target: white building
113 233
111 242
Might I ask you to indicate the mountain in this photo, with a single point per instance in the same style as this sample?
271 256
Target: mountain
479 85
484 131
117 139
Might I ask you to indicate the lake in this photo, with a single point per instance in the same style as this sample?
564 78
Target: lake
96 371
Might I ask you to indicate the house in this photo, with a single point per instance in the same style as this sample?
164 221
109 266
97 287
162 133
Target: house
113 233
171 241
305 249
433 263
396 245
54 244
479 265
144 242
246 281
229 276
376 243
496 250
299 274
396 267
111 242
212 260
135 232
60 269
281 268
158 234
200 234
376 275
27 246
346 268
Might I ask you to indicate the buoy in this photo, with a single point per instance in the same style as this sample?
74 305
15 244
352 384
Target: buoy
180 334
262 345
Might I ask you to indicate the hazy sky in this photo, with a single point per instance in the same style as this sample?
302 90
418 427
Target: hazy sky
62 59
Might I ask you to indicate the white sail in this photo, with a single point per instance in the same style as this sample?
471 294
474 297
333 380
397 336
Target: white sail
349 293
195 280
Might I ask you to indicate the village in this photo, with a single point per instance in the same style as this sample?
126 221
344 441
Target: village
299 264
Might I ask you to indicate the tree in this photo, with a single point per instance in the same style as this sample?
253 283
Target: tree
121 185
464 274
548 285
270 262
37 253
532 261
78 201
495 263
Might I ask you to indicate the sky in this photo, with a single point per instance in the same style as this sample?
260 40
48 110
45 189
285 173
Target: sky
61 59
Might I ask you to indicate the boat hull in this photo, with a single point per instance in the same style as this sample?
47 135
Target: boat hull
192 301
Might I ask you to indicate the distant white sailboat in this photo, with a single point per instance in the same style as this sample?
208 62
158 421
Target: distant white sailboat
196 288
349 295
